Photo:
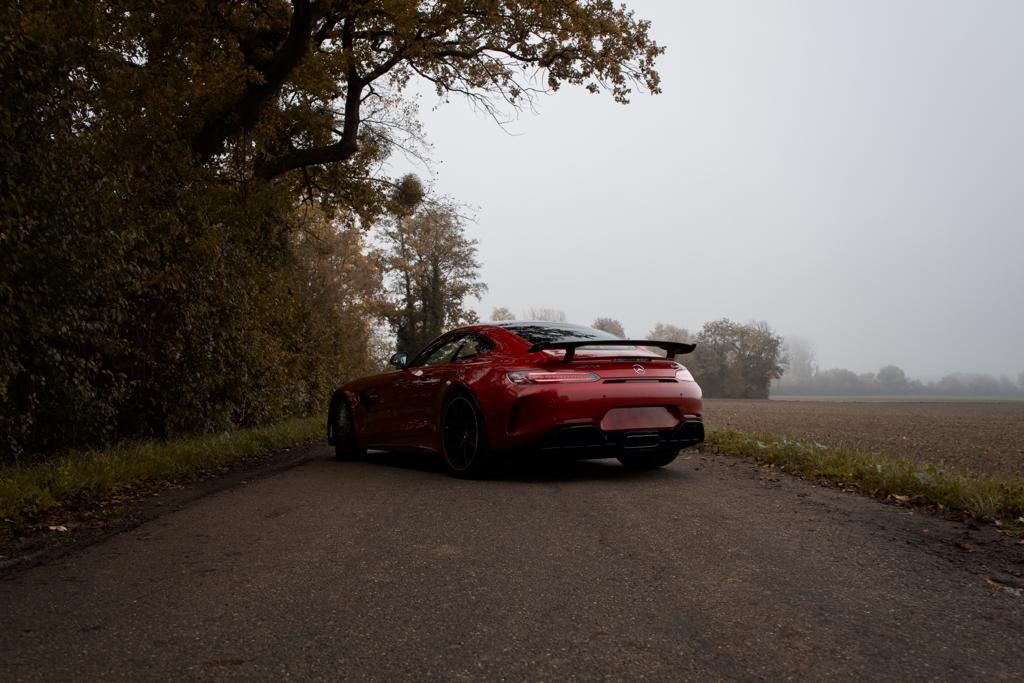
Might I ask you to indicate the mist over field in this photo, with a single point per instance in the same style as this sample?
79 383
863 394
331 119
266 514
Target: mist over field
850 173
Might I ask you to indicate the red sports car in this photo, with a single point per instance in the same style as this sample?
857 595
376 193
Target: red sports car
552 387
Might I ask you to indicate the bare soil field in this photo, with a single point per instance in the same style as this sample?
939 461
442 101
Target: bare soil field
982 437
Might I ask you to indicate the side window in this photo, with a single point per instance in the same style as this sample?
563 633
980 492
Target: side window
439 353
472 347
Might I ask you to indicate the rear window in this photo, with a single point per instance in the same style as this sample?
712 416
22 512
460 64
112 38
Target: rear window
538 333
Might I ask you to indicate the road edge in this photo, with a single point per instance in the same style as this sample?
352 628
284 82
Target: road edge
40 545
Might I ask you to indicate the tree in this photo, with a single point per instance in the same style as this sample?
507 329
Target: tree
663 332
800 359
405 198
735 360
309 77
611 326
431 268
839 382
546 314
502 313
892 380
299 62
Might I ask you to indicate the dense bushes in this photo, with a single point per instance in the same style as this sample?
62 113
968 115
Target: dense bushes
211 315
142 294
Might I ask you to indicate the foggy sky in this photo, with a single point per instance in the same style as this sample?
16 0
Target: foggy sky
850 172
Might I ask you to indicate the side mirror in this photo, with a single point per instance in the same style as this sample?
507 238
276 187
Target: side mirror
400 360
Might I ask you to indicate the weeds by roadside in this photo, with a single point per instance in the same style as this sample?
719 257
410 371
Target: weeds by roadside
999 498
26 492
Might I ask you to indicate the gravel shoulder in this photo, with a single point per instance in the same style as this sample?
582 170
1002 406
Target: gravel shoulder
977 437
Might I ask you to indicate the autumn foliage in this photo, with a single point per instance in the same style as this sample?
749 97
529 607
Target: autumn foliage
192 200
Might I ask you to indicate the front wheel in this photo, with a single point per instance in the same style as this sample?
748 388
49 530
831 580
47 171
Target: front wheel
463 438
344 430
647 461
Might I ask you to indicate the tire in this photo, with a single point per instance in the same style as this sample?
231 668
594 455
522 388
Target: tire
344 429
647 461
464 444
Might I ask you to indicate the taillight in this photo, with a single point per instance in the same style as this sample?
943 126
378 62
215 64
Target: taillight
544 377
683 375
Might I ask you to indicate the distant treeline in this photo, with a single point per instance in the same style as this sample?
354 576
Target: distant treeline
891 381
804 378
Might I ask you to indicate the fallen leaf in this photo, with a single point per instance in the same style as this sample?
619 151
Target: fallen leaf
901 499
59 527
1009 589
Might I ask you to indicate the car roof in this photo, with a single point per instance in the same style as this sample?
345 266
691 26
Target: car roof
514 343
514 323
542 323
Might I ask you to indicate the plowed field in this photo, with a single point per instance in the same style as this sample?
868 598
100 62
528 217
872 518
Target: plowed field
979 437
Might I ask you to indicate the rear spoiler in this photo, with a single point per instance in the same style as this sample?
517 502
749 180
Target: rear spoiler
671 347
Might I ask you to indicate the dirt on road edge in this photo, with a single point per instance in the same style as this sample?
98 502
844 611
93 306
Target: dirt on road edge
77 526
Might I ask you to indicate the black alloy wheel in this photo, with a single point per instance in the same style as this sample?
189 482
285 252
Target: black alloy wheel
463 438
345 445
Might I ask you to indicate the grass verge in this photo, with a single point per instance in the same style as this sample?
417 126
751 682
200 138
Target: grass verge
26 492
999 498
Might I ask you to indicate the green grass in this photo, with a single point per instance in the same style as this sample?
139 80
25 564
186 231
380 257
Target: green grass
985 497
26 492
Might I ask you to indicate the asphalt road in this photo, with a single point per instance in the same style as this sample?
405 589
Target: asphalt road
386 569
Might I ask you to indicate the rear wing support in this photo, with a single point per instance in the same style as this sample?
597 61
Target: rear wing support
670 347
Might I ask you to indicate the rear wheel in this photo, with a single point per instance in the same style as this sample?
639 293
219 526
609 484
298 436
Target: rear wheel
463 438
647 461
345 445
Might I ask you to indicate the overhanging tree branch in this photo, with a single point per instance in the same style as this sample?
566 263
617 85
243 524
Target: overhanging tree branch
346 146
483 52
244 112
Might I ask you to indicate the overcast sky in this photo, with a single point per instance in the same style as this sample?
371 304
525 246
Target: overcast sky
850 172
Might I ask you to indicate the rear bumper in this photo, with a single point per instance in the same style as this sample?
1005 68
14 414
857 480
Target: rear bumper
589 441
602 418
